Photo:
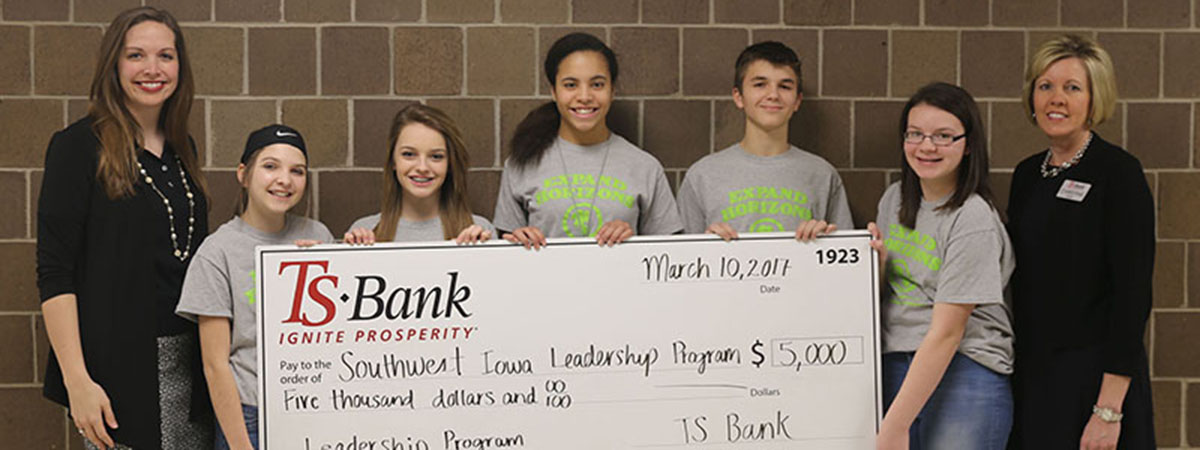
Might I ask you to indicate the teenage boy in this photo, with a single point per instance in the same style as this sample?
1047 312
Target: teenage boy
763 183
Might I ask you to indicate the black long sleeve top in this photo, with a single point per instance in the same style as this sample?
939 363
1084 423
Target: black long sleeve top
1084 268
116 256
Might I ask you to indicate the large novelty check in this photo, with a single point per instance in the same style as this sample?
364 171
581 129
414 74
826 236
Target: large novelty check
660 342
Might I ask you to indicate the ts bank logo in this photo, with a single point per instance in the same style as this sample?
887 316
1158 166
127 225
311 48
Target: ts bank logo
372 299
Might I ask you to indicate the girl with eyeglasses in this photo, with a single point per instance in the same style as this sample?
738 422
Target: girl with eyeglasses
947 337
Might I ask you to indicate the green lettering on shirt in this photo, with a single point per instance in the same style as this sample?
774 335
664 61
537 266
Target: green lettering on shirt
583 217
766 200
916 246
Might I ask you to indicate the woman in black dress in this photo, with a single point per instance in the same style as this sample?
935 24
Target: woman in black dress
1081 219
122 209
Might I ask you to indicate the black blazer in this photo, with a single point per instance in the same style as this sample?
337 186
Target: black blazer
97 249
1084 269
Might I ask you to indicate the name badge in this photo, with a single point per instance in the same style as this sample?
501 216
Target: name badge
1074 190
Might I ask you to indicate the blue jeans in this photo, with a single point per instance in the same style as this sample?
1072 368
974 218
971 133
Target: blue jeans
972 407
250 414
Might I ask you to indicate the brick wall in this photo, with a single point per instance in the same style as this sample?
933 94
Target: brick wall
338 69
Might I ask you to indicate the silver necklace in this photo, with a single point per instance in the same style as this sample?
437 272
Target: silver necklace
1049 171
179 254
587 225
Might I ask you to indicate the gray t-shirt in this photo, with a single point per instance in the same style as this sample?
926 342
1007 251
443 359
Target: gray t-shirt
220 282
953 256
427 230
575 189
762 193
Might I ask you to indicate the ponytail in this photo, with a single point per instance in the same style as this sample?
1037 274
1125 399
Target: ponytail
534 135
539 128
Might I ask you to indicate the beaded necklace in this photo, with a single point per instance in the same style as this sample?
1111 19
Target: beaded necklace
179 254
1049 171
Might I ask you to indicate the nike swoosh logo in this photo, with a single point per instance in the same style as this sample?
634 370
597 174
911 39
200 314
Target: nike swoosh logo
282 133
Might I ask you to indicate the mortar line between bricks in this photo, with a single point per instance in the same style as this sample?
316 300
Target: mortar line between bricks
673 96
497 134
1125 13
33 339
66 111
1150 322
208 132
1162 64
318 31
29 204
679 64
315 199
1177 241
466 54
1192 128
350 132
890 51
1183 422
991 118
739 26
391 61
958 57
32 62
245 60
1185 246
820 63
20 385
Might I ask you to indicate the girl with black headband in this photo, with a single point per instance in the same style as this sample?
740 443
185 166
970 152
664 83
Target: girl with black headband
219 291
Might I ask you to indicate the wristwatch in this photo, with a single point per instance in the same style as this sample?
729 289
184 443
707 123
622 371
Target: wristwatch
1106 414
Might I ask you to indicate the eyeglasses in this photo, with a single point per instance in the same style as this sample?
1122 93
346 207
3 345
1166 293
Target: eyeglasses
938 139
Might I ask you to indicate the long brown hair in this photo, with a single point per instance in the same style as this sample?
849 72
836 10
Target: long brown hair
972 170
453 207
115 126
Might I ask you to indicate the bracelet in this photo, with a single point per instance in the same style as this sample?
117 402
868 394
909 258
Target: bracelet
1107 414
